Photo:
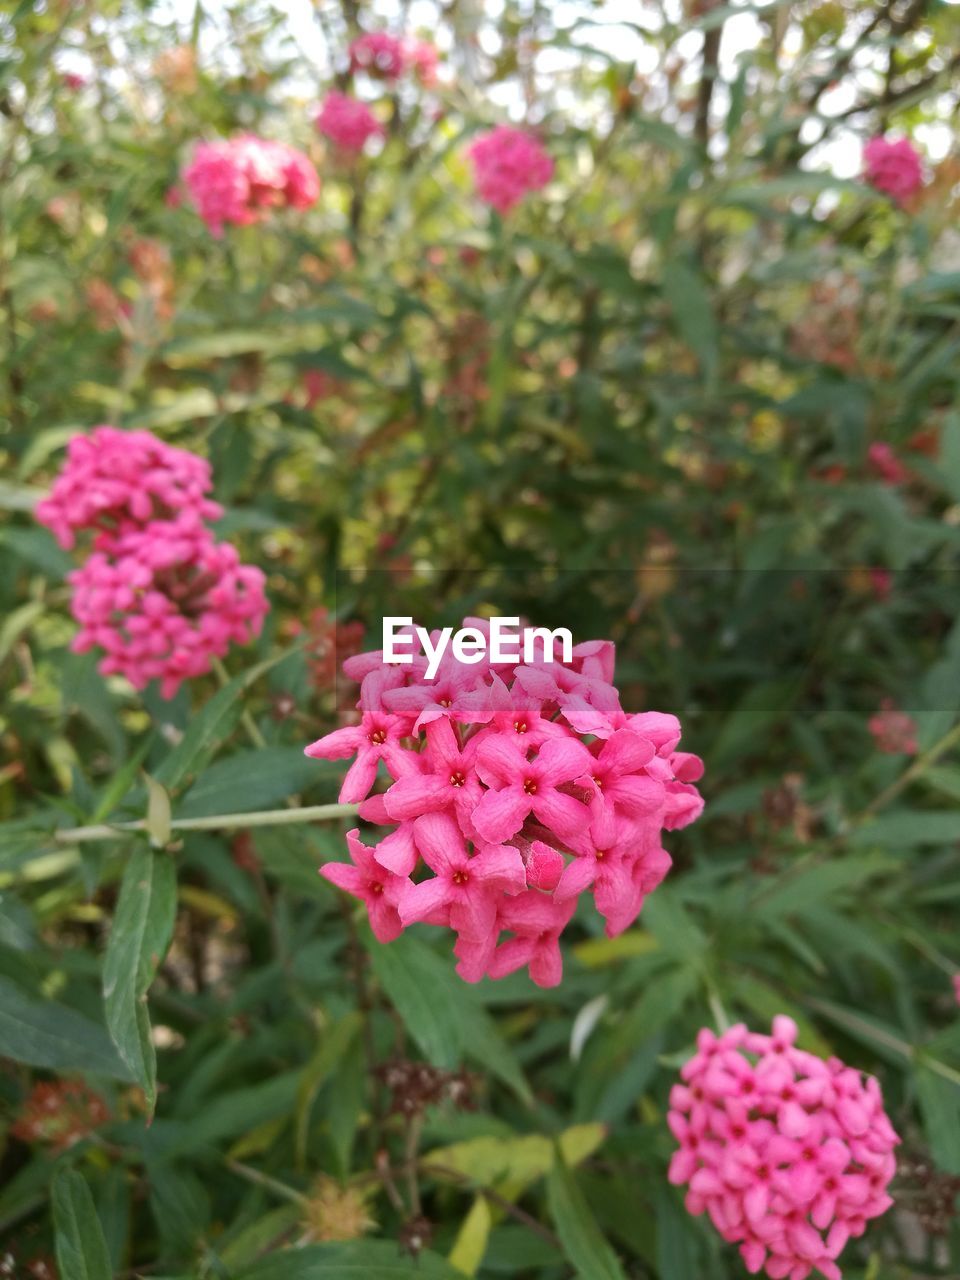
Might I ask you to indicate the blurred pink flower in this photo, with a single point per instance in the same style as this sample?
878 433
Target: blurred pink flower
73 80
881 581
422 58
508 164
885 463
379 54
164 602
893 167
116 481
347 122
158 594
894 732
238 180
790 1156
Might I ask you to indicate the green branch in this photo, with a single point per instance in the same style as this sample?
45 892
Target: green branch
216 822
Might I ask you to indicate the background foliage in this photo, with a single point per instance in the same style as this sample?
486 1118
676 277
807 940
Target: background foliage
639 407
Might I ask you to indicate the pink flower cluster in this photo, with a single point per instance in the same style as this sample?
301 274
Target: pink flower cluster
238 180
508 164
347 122
788 1154
116 482
503 811
157 593
894 732
893 167
885 464
387 57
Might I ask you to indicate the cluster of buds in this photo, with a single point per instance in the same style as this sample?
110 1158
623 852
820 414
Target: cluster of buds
59 1113
789 1155
414 1086
517 786
158 594
240 180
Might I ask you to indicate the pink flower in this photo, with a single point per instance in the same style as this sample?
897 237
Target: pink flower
73 80
238 180
508 164
379 54
788 1155
956 987
422 58
893 167
466 889
447 779
536 922
881 582
622 860
495 791
164 602
894 732
518 787
116 481
347 122
885 463
377 737
378 889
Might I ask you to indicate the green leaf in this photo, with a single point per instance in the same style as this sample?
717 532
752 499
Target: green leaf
18 497
939 1100
949 460
16 623
582 1240
810 185
207 732
141 932
809 885
440 1012
335 1044
356 1260
692 310
471 1242
512 1165
249 780
676 1255
45 1034
81 1248
907 828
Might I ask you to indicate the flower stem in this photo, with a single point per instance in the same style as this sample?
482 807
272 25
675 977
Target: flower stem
216 822
246 719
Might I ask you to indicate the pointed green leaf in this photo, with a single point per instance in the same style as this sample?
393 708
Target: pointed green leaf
141 932
81 1249
583 1242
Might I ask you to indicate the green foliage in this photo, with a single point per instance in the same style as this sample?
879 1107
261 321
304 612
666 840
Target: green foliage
638 407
